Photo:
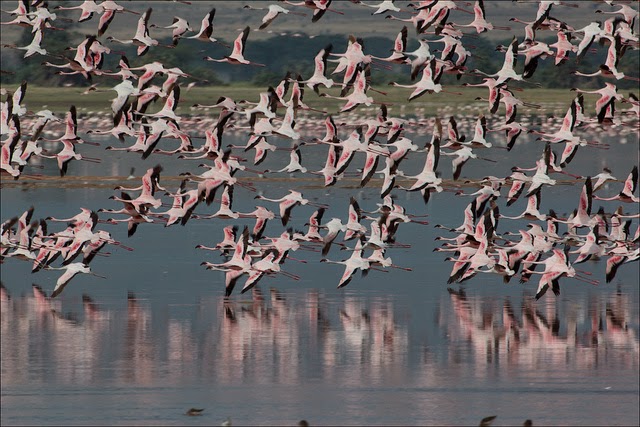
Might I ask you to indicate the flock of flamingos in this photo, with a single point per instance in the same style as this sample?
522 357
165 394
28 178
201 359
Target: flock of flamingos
382 141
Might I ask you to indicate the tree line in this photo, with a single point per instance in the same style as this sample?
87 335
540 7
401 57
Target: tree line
282 54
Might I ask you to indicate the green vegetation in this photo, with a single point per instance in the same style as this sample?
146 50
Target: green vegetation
295 54
58 99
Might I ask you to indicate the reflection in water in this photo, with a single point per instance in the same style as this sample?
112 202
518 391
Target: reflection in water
288 339
562 333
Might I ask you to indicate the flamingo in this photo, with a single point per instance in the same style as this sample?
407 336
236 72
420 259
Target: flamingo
237 55
556 266
319 7
228 242
150 184
351 61
225 211
490 191
534 51
313 233
563 47
608 96
602 178
630 186
141 38
353 263
592 32
267 105
582 215
609 68
177 210
20 13
592 247
106 17
180 26
437 15
382 7
295 157
70 271
628 13
273 11
260 268
41 18
398 55
479 134
357 97
462 156
137 213
507 72
287 203
422 55
87 9
320 66
619 255
206 28
288 123
480 23
329 170
532 211
67 154
240 262
168 111
427 84
428 176
30 147
9 147
33 47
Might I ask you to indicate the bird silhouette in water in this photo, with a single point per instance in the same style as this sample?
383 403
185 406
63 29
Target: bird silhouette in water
486 421
193 412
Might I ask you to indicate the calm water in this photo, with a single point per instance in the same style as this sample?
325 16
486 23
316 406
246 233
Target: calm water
392 348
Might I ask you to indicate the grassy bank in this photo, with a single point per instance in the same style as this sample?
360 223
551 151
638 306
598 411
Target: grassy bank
60 98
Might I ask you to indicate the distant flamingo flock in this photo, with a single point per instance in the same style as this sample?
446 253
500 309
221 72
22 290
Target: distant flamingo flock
382 141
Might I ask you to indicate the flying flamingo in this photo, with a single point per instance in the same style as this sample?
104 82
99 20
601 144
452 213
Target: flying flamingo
70 271
357 97
320 66
398 55
480 22
629 14
556 267
428 176
110 9
353 263
141 39
382 7
563 46
87 9
206 28
319 7
602 178
237 55
532 211
179 26
228 242
273 11
630 186
592 32
427 84
608 96
287 203
33 47
507 72
619 255
67 154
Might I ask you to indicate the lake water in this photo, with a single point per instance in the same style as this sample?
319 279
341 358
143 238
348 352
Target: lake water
157 337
